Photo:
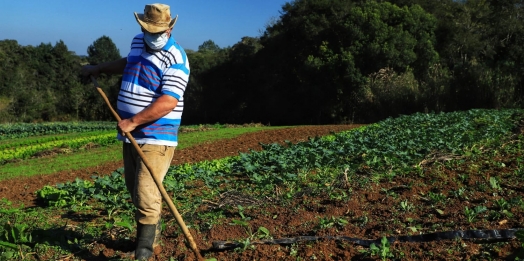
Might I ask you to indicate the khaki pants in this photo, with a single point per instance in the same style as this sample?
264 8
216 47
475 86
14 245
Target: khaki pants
144 191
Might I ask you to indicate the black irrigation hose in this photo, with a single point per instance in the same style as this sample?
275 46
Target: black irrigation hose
482 235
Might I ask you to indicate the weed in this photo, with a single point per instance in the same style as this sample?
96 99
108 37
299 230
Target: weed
339 195
412 226
406 206
126 222
376 178
471 214
502 204
494 183
390 175
211 218
293 250
436 197
389 193
460 193
463 178
332 222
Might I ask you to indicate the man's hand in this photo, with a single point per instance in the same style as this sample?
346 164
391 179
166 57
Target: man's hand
88 70
126 126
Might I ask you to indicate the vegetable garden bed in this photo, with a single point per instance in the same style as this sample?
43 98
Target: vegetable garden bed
411 175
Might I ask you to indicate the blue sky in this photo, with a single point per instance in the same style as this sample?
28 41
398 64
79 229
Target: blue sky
80 22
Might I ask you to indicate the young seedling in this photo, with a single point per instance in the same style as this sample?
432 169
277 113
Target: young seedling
406 206
436 197
383 250
460 193
502 204
471 214
332 222
493 182
339 196
389 193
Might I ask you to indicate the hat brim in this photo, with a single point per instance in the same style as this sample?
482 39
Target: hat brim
151 27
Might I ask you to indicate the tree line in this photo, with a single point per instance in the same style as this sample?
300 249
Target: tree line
319 62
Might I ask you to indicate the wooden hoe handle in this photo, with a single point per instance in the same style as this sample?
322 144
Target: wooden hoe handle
166 197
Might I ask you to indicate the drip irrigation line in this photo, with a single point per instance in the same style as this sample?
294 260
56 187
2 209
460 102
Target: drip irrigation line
497 235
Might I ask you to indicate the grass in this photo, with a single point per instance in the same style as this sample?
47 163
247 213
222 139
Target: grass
98 156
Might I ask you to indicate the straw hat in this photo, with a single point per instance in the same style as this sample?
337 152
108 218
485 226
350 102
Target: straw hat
156 18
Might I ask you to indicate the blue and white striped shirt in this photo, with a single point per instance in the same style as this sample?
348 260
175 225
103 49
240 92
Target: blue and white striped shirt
148 76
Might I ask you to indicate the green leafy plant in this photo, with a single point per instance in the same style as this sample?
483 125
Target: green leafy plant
436 197
406 206
471 214
126 222
15 237
53 196
383 250
494 183
460 193
339 196
332 222
502 204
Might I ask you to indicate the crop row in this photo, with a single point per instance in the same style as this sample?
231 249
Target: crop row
21 130
29 141
392 146
24 152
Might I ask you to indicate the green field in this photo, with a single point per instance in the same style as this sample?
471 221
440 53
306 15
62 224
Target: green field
77 156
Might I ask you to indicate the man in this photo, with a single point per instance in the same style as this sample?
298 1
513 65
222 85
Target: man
150 102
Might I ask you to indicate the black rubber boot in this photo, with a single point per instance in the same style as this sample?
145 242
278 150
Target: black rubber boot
145 238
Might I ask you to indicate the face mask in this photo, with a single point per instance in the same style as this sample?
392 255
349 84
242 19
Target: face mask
155 41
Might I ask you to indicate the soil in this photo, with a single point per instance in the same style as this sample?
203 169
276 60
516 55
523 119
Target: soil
291 221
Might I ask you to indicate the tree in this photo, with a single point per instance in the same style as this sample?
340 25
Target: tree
102 50
327 55
480 43
209 46
247 47
208 57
